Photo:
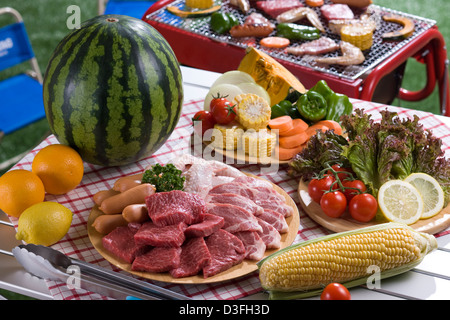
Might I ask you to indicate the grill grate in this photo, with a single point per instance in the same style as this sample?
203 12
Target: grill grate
379 51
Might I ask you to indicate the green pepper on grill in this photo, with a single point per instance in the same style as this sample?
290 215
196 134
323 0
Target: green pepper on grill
222 22
295 31
312 106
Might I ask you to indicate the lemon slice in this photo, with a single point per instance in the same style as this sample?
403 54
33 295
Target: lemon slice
431 191
400 201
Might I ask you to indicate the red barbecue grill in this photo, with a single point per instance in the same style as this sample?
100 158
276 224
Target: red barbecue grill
377 79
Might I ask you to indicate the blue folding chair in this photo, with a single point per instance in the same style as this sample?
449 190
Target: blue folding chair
132 8
21 100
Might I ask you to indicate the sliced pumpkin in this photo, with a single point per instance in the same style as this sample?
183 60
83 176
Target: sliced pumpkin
192 13
270 74
405 32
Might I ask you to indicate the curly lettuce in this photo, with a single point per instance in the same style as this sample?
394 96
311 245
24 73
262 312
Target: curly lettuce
392 148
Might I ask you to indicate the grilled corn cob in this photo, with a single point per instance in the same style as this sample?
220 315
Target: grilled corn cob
303 269
359 35
227 136
253 112
259 143
199 4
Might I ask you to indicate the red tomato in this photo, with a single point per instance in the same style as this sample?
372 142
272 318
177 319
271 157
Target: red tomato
363 207
333 204
223 110
343 172
350 193
335 291
317 187
206 119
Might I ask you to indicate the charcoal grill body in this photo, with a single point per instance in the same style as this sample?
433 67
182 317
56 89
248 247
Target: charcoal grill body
378 80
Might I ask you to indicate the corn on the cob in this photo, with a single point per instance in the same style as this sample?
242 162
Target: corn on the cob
259 143
199 4
227 136
305 269
253 112
359 35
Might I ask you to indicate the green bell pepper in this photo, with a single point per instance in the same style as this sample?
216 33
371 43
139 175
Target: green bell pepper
281 109
312 106
322 88
338 105
295 31
222 22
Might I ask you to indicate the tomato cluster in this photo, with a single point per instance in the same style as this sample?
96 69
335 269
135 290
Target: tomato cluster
221 111
336 191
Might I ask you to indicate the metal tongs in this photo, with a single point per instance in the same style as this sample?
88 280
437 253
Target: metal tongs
48 263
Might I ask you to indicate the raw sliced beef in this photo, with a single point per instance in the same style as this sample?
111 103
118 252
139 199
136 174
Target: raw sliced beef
336 11
275 219
166 208
273 8
235 199
254 245
167 236
194 256
210 224
120 242
253 182
226 250
158 259
270 235
236 219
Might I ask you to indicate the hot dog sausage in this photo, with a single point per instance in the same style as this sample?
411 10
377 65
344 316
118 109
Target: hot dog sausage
136 213
124 183
117 203
104 224
102 195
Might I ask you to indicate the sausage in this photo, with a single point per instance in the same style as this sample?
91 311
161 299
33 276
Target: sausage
102 195
251 30
104 224
124 183
136 213
117 203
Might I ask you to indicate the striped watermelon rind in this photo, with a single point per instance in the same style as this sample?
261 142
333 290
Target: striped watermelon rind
113 90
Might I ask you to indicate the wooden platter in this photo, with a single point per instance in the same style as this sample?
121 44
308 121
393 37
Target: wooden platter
244 268
432 225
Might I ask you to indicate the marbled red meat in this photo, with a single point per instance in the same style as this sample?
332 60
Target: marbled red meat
158 259
194 256
167 236
210 224
166 208
120 242
226 250
273 8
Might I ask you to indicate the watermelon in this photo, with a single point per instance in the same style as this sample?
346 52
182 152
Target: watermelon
113 90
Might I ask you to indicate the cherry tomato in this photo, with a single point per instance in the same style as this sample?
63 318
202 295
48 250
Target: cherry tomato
223 110
317 187
333 204
206 119
350 193
343 174
335 291
363 207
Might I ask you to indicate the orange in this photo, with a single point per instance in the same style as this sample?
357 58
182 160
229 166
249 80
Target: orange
60 168
20 189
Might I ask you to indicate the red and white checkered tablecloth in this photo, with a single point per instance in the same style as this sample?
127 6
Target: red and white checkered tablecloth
77 245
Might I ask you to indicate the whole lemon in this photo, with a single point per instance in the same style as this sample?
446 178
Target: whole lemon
60 168
44 223
19 189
